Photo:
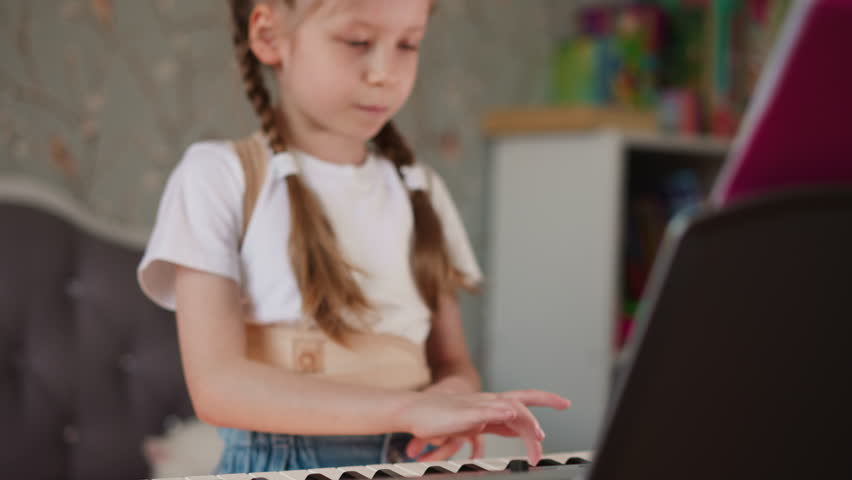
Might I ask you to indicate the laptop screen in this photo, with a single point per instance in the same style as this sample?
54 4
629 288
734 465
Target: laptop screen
740 364
797 131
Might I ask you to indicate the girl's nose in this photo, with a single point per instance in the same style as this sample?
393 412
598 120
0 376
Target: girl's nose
381 68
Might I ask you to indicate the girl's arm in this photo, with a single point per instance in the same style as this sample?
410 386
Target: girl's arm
228 389
446 350
452 372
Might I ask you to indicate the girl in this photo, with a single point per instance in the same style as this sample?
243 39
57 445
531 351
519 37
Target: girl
316 302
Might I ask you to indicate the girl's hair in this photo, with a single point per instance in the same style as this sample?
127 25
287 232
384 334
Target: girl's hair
329 290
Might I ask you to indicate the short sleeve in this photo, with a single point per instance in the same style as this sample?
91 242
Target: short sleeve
458 243
198 222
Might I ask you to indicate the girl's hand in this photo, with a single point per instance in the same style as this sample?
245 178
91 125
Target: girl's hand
435 416
447 447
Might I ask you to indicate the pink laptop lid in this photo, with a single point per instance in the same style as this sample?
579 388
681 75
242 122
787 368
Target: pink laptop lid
797 131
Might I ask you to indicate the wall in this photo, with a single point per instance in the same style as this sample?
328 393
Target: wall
100 97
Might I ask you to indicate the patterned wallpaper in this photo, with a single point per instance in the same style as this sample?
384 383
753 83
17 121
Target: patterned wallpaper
100 97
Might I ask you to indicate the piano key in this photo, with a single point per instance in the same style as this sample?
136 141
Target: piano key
436 470
316 476
471 467
547 462
518 465
266 475
418 469
387 473
494 464
352 475
292 475
400 470
563 457
408 469
361 469
328 473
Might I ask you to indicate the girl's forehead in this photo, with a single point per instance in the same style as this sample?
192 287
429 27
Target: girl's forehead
380 14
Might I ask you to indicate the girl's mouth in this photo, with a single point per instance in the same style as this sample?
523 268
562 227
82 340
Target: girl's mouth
374 109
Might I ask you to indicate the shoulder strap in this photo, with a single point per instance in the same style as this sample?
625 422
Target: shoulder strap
252 153
430 173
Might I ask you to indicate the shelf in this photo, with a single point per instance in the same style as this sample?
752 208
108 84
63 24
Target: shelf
549 119
638 128
699 145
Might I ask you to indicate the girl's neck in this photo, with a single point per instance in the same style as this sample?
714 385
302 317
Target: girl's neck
322 144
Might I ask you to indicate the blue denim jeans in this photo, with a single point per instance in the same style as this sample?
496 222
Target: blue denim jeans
251 452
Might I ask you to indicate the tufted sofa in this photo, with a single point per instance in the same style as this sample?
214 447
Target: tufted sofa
88 366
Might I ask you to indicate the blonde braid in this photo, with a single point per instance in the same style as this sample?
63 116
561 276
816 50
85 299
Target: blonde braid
430 260
323 274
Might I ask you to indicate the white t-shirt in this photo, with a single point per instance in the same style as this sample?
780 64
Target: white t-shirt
199 221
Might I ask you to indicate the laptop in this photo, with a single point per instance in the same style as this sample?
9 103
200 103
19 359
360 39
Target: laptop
744 370
798 127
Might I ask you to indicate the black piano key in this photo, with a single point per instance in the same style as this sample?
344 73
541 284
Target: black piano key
316 476
547 462
385 473
576 461
258 478
350 475
471 467
435 469
518 466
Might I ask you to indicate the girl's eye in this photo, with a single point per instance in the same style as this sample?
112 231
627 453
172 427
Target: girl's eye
409 46
358 43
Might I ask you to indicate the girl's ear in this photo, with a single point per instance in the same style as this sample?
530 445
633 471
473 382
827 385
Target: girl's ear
266 34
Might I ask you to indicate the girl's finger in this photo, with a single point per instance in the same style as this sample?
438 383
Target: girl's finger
538 398
529 430
500 429
525 414
534 451
487 415
530 438
476 447
415 446
445 451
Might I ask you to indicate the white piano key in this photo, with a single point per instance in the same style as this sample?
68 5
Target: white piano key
410 470
478 462
332 473
419 468
451 465
380 466
362 469
563 457
294 474
494 464
270 475
402 469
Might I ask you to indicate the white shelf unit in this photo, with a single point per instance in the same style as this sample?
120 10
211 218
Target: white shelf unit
557 213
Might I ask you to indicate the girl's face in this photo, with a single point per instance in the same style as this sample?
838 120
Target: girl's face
349 66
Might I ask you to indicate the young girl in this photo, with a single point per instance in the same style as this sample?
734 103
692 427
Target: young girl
320 326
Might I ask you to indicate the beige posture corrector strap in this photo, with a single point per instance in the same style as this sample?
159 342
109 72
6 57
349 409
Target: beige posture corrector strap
370 359
254 160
